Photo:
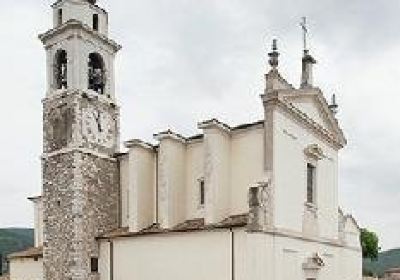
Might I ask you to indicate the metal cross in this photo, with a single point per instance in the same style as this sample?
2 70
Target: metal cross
303 25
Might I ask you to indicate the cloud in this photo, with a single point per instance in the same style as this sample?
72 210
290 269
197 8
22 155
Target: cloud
186 60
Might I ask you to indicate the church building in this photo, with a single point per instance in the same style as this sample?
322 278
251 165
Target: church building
258 201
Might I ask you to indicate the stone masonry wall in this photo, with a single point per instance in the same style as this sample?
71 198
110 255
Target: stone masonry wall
80 187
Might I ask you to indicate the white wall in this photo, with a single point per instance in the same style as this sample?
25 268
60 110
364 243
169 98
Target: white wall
208 255
194 173
142 183
217 170
195 256
289 178
82 11
124 192
172 182
38 221
26 269
247 166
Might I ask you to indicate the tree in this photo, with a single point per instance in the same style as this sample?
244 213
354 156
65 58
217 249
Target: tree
369 244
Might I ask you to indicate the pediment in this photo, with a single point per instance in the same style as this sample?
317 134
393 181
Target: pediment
313 105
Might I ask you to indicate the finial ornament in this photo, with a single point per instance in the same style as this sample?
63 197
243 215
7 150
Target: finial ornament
303 25
274 55
334 106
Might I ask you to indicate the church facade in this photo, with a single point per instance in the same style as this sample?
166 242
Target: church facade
250 202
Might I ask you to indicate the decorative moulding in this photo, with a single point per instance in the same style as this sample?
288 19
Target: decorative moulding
314 262
73 24
214 123
314 151
169 134
137 143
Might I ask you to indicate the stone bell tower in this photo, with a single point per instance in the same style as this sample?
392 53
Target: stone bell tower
80 139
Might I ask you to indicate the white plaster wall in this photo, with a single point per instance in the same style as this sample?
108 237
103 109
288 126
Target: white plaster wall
289 178
194 173
26 269
38 222
217 169
208 255
291 253
141 188
124 192
82 11
195 256
104 260
172 182
351 233
247 166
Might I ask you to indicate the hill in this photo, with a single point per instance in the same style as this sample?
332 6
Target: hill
13 240
387 259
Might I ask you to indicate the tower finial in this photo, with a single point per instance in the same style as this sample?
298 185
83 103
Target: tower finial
334 106
274 55
308 60
303 25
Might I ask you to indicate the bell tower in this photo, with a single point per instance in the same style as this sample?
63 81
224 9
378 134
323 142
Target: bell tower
80 139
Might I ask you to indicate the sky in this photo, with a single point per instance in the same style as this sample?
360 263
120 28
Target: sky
184 61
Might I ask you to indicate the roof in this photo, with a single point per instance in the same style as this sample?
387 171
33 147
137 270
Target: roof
34 252
73 23
193 225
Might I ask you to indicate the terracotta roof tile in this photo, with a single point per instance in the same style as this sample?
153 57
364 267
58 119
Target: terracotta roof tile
187 226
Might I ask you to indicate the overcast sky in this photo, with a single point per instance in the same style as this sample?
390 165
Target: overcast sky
187 60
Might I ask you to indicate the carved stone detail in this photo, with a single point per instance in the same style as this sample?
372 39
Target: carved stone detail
260 208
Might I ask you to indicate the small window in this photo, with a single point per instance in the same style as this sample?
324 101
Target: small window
96 22
60 16
310 183
94 265
202 192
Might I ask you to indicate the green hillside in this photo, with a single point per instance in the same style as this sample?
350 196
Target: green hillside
14 240
386 260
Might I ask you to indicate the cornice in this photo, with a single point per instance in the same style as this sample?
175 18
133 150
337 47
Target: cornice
137 143
214 123
75 24
64 151
80 93
169 134
273 99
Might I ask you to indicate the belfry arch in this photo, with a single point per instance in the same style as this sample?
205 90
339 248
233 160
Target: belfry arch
60 69
97 73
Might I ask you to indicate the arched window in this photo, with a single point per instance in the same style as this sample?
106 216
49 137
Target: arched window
60 70
97 77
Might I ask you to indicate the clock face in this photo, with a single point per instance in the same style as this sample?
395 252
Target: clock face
98 127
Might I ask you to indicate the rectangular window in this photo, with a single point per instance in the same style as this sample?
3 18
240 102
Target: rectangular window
310 183
96 22
60 16
94 265
202 193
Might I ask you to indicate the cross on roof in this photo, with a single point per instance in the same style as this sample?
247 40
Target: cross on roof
303 25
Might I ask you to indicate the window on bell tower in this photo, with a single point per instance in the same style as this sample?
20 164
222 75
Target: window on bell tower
60 69
97 77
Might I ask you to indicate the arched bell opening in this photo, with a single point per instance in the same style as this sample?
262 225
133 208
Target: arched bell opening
60 69
97 77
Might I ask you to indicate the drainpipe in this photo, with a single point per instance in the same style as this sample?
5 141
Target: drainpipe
156 194
111 262
232 253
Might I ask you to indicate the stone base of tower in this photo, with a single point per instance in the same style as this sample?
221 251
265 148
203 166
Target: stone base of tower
80 202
